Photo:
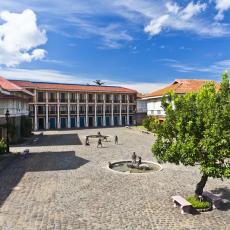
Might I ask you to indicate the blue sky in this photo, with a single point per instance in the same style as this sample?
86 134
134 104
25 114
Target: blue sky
142 44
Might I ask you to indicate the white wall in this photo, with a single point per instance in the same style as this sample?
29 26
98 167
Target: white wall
154 107
16 107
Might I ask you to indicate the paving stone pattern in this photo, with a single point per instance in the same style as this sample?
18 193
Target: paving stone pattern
66 185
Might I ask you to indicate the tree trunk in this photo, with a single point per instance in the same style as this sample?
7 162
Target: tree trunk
200 186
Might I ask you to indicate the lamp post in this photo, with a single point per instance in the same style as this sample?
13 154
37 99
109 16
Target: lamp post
7 115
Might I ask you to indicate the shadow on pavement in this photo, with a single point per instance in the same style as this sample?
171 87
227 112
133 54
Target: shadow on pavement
44 161
224 194
52 140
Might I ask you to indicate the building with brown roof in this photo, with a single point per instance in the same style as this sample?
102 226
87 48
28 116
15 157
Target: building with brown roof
60 106
15 99
179 86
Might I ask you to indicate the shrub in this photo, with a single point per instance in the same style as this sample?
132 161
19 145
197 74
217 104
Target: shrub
2 146
197 203
148 122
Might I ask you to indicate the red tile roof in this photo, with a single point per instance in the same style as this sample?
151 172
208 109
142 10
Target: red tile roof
71 87
11 87
180 86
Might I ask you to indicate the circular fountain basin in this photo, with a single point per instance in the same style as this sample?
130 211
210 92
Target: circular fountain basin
122 166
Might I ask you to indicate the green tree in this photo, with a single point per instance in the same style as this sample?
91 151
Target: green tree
197 129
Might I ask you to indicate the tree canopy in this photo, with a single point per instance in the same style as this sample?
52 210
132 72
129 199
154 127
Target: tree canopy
99 82
197 129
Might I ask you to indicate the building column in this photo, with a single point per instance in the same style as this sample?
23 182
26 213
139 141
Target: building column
35 111
127 120
47 111
104 119
86 111
58 111
35 118
78 107
68 108
120 117
47 116
112 115
95 112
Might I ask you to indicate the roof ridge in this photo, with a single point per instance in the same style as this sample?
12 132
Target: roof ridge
60 83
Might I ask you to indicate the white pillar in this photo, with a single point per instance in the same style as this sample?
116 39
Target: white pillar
47 111
35 118
86 112
95 112
35 111
120 117
47 116
78 107
127 120
58 111
68 108
112 115
104 120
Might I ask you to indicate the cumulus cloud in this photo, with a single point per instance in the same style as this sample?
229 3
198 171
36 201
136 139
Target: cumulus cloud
176 17
19 37
221 6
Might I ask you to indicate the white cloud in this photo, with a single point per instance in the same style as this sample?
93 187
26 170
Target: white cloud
221 6
88 18
19 37
192 9
215 68
59 77
172 7
189 19
156 25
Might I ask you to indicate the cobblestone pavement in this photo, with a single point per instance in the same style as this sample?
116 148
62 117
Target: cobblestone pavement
66 185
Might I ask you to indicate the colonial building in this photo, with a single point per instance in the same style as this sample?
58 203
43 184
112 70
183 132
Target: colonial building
141 111
15 99
60 106
179 86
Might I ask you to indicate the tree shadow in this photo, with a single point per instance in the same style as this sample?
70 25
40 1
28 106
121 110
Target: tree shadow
36 162
224 193
52 140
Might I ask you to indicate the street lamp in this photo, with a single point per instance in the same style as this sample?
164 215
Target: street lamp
7 115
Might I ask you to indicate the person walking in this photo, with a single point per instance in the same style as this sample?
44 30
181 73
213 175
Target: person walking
99 143
116 139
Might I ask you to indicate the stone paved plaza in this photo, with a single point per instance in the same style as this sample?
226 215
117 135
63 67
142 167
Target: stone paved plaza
66 185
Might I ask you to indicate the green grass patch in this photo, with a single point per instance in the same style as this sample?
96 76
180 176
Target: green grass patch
198 204
141 127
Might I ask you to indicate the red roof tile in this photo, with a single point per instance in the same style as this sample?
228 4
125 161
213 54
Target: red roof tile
71 87
11 87
180 86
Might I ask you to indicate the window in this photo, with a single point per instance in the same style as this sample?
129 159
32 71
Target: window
82 98
91 98
52 97
99 98
41 97
63 109
52 109
41 109
82 109
116 98
63 97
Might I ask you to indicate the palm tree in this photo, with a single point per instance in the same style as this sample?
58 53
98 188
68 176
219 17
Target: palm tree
99 82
